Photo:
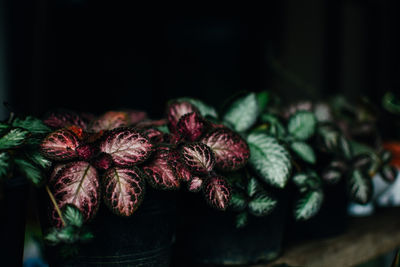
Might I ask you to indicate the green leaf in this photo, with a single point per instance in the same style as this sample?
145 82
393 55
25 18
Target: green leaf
302 125
4 127
391 103
241 219
345 147
13 138
304 151
275 127
30 170
360 186
163 128
262 204
253 187
4 164
72 215
308 205
306 181
263 99
31 124
270 159
243 113
38 159
205 110
238 201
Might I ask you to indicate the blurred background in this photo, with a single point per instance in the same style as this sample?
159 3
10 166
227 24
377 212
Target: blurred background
95 56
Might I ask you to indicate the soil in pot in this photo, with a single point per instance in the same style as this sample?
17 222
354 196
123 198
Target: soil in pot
144 239
207 236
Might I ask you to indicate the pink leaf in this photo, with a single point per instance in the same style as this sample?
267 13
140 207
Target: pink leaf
230 150
86 151
176 110
154 135
159 172
124 190
63 119
135 116
195 185
60 145
77 184
191 126
217 192
110 120
126 146
198 157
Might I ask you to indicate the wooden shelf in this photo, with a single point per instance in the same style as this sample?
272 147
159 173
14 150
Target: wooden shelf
365 239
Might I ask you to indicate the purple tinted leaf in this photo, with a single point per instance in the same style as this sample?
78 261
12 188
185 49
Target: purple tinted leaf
198 157
230 150
103 161
160 173
63 119
124 190
195 185
110 120
86 151
191 126
217 192
154 135
126 146
77 184
176 110
60 145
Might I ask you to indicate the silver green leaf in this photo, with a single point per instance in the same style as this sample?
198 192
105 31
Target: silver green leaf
205 110
30 170
275 127
302 125
238 201
263 99
262 204
304 151
270 159
4 164
72 215
13 138
241 219
31 124
360 186
253 187
308 205
38 159
242 113
307 180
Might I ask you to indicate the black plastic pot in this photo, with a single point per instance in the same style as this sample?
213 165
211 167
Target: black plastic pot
144 239
207 236
12 220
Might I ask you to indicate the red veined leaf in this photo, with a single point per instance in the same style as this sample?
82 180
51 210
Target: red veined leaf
86 151
160 173
55 171
217 192
78 131
191 126
77 184
103 161
176 110
124 190
181 172
154 135
126 146
60 145
110 120
195 185
198 157
135 116
63 119
230 150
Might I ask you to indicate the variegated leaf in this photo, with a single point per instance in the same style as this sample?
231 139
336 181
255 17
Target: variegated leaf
230 150
217 192
191 126
77 183
238 201
126 146
176 110
262 204
60 145
196 184
4 164
304 151
198 157
109 121
242 113
253 187
15 137
63 119
308 205
155 136
123 190
302 125
204 109
360 186
31 124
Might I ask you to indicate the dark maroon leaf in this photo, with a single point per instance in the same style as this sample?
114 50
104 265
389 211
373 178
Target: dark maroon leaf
230 150
77 184
191 126
103 161
63 119
160 173
135 116
55 171
110 120
195 185
176 110
126 146
198 157
154 135
60 145
86 151
124 190
217 192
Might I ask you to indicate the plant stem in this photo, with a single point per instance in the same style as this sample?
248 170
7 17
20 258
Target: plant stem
53 200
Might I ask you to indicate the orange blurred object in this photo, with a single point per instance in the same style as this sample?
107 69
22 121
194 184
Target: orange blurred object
394 148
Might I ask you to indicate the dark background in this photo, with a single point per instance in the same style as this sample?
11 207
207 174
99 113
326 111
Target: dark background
93 56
